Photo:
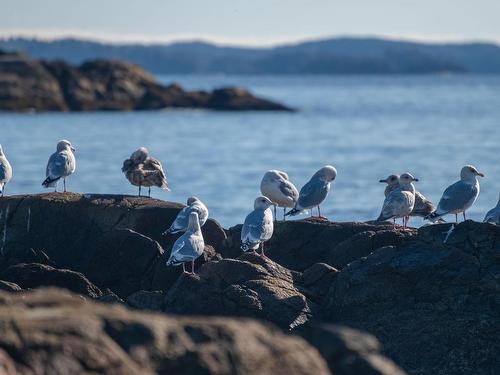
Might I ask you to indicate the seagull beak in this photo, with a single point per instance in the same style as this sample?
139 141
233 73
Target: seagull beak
480 174
73 149
382 181
415 179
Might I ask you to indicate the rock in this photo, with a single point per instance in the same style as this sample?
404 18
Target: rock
317 279
248 286
9 287
298 245
145 300
64 334
433 305
28 84
33 275
348 351
114 240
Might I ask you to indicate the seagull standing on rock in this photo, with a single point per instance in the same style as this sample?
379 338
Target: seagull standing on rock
493 215
61 164
400 202
314 192
258 226
181 222
457 198
189 246
5 171
277 187
144 170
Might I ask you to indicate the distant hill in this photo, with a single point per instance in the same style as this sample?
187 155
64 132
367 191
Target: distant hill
329 56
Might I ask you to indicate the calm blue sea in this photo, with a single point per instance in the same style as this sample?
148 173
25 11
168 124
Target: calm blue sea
367 127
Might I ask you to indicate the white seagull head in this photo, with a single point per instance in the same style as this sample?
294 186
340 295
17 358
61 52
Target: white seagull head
262 203
64 144
469 172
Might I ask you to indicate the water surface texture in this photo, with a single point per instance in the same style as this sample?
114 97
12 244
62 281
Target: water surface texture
367 127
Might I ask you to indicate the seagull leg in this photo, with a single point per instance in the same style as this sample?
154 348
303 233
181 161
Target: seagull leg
456 218
284 212
262 250
149 192
192 267
319 212
464 215
139 190
183 268
64 183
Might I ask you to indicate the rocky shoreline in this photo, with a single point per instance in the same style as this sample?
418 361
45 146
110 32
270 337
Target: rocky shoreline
27 84
431 300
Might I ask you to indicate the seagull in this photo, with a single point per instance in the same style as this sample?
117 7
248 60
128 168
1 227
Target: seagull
399 203
189 246
459 196
314 191
258 226
277 187
392 183
5 171
144 170
61 164
181 222
493 215
423 206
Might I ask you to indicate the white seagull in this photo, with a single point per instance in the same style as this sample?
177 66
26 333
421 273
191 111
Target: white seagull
181 222
5 171
399 203
459 196
258 226
314 192
189 246
277 187
493 215
61 164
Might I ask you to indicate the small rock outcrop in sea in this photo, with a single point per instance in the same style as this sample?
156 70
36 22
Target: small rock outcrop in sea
106 85
54 332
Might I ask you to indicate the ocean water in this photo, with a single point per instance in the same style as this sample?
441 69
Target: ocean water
366 126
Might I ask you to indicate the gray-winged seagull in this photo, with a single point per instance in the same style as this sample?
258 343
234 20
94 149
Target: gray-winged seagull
61 164
277 187
5 171
314 191
399 203
189 246
459 196
258 226
181 222
493 215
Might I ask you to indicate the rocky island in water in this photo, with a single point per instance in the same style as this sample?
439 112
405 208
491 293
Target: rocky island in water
27 84
87 273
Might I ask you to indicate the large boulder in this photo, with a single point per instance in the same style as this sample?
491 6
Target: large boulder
114 240
434 301
54 332
249 286
299 244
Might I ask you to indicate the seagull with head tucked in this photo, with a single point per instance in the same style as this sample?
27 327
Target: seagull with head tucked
314 192
61 164
277 187
460 196
399 202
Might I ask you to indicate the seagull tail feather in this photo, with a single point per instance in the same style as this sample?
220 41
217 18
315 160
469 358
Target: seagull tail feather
292 212
434 216
50 181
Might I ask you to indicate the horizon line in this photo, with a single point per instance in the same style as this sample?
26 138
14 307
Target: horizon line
233 42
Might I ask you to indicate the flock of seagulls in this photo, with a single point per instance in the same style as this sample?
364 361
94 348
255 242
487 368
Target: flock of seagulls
401 201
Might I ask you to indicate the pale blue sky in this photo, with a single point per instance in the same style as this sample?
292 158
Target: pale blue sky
251 21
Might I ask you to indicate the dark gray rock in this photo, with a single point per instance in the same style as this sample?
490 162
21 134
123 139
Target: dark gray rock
146 300
9 287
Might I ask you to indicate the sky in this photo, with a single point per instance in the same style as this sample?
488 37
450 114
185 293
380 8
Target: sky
251 22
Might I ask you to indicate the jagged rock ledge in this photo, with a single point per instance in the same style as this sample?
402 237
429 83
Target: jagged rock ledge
27 84
430 297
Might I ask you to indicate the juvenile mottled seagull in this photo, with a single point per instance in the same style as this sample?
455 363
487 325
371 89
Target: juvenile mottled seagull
423 206
399 203
258 226
181 222
315 191
277 187
61 164
392 183
144 170
459 196
189 246
5 171
493 215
